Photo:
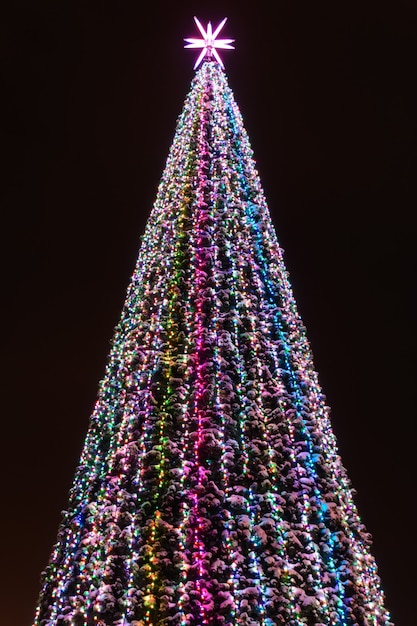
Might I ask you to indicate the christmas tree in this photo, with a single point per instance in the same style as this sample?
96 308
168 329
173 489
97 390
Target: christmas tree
210 489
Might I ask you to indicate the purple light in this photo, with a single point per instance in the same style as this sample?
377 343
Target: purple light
209 42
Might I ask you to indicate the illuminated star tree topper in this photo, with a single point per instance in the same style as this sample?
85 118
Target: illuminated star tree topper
209 42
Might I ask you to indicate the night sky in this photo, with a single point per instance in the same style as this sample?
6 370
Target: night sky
91 92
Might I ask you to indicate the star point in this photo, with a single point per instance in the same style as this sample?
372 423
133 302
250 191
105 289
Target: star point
209 42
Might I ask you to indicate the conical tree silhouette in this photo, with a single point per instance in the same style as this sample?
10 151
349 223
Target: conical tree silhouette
210 490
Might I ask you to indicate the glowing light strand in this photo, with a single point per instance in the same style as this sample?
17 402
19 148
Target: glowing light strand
209 310
317 566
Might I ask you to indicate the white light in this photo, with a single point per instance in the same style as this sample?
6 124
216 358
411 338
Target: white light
209 42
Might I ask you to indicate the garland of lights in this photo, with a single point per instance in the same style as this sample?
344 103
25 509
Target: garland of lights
210 490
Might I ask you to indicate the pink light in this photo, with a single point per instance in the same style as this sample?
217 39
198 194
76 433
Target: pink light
209 42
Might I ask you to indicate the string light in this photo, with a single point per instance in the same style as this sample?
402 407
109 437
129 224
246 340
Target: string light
210 489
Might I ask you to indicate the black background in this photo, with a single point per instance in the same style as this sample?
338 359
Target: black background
91 94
